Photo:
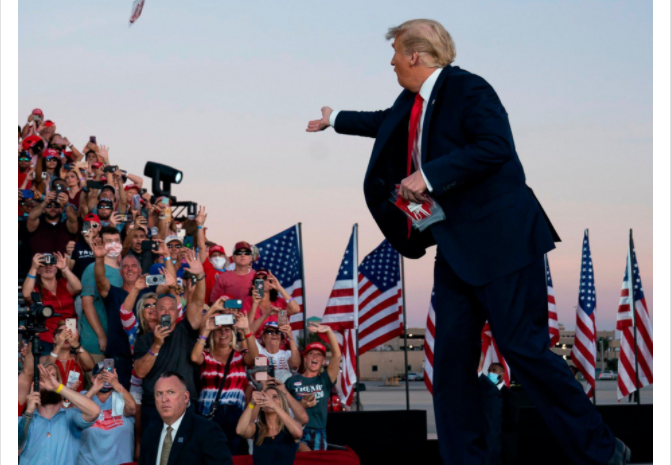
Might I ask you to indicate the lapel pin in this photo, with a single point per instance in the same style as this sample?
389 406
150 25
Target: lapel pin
180 439
434 101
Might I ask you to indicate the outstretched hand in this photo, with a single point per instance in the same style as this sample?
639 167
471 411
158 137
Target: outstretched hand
320 124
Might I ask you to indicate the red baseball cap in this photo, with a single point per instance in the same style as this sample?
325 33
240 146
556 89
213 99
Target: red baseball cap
242 245
50 153
131 186
37 111
92 217
216 248
96 165
316 346
262 272
48 123
30 141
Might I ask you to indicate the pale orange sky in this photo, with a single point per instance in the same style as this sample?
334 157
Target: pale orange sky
225 94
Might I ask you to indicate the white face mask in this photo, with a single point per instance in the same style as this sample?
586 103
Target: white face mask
113 249
218 262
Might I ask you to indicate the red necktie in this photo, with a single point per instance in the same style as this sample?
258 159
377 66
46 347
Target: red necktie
415 115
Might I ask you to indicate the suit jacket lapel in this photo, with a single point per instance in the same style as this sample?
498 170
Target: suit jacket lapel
429 109
181 436
401 108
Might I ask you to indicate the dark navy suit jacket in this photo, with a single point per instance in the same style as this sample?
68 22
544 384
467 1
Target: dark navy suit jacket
494 223
197 441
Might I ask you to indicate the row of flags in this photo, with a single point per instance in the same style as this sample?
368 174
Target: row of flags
634 350
367 301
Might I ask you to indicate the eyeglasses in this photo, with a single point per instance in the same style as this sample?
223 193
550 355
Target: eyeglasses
149 305
242 252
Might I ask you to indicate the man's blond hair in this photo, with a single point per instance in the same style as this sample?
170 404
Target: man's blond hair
428 37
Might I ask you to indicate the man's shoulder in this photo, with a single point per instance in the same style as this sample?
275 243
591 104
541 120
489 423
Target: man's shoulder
463 79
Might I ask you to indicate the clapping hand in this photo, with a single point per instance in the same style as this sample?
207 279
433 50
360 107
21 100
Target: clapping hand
319 328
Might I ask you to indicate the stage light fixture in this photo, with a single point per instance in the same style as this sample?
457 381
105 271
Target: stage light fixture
162 177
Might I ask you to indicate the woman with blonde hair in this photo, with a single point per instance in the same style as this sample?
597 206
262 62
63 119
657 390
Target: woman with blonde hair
275 433
222 371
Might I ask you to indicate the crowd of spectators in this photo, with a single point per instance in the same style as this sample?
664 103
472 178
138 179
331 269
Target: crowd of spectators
157 327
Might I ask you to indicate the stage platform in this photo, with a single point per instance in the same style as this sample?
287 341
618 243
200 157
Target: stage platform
400 436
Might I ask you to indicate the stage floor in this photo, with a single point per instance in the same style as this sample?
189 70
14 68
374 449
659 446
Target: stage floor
377 396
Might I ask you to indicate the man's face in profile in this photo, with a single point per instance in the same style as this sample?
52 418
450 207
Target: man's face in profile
401 64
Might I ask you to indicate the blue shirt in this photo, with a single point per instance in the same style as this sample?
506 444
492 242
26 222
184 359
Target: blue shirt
111 439
55 441
88 337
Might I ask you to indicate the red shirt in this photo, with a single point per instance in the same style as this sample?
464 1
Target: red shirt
280 304
71 365
63 303
233 285
211 274
22 177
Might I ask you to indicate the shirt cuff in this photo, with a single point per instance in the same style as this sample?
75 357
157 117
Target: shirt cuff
428 184
333 117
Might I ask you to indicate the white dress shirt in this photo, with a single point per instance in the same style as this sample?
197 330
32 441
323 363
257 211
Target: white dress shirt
425 92
164 431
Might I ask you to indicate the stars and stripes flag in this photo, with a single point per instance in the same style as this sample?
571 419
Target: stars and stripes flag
626 367
490 351
491 354
136 11
583 352
281 254
341 315
429 343
553 324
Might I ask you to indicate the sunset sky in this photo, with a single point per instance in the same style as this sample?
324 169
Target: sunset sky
224 91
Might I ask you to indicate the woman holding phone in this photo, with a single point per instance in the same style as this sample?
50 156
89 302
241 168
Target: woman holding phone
273 304
70 357
222 373
268 420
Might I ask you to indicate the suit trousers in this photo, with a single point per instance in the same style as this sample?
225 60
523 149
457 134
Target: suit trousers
516 307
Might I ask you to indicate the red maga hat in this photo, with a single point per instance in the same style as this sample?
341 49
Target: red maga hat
50 153
48 123
216 248
38 112
242 245
30 141
316 346
131 186
92 217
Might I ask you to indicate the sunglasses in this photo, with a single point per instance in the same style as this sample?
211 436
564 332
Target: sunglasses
272 332
54 205
174 246
149 305
242 252
24 159
51 158
104 207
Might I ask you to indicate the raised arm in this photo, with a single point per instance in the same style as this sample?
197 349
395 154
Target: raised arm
29 282
247 422
200 221
102 283
145 363
74 284
334 362
88 408
295 359
194 308
34 216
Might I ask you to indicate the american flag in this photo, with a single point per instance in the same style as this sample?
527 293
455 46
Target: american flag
490 352
341 316
552 307
583 352
626 371
281 255
429 342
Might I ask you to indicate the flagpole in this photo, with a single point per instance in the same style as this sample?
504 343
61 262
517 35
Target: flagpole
355 285
305 313
632 306
405 336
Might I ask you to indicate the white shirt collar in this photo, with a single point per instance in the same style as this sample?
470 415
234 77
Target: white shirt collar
175 425
427 87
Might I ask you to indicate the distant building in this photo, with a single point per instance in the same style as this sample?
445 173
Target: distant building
387 360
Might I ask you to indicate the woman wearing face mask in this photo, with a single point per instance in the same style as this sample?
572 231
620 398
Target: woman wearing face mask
268 421
220 362
56 285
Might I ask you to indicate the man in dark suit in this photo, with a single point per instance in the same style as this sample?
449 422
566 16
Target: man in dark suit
447 135
182 437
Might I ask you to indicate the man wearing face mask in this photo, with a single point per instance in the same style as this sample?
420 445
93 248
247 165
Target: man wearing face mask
94 323
112 438
113 297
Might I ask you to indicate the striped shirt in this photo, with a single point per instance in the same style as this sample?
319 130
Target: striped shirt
233 392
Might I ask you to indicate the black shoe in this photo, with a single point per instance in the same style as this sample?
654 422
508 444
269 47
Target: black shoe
622 454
